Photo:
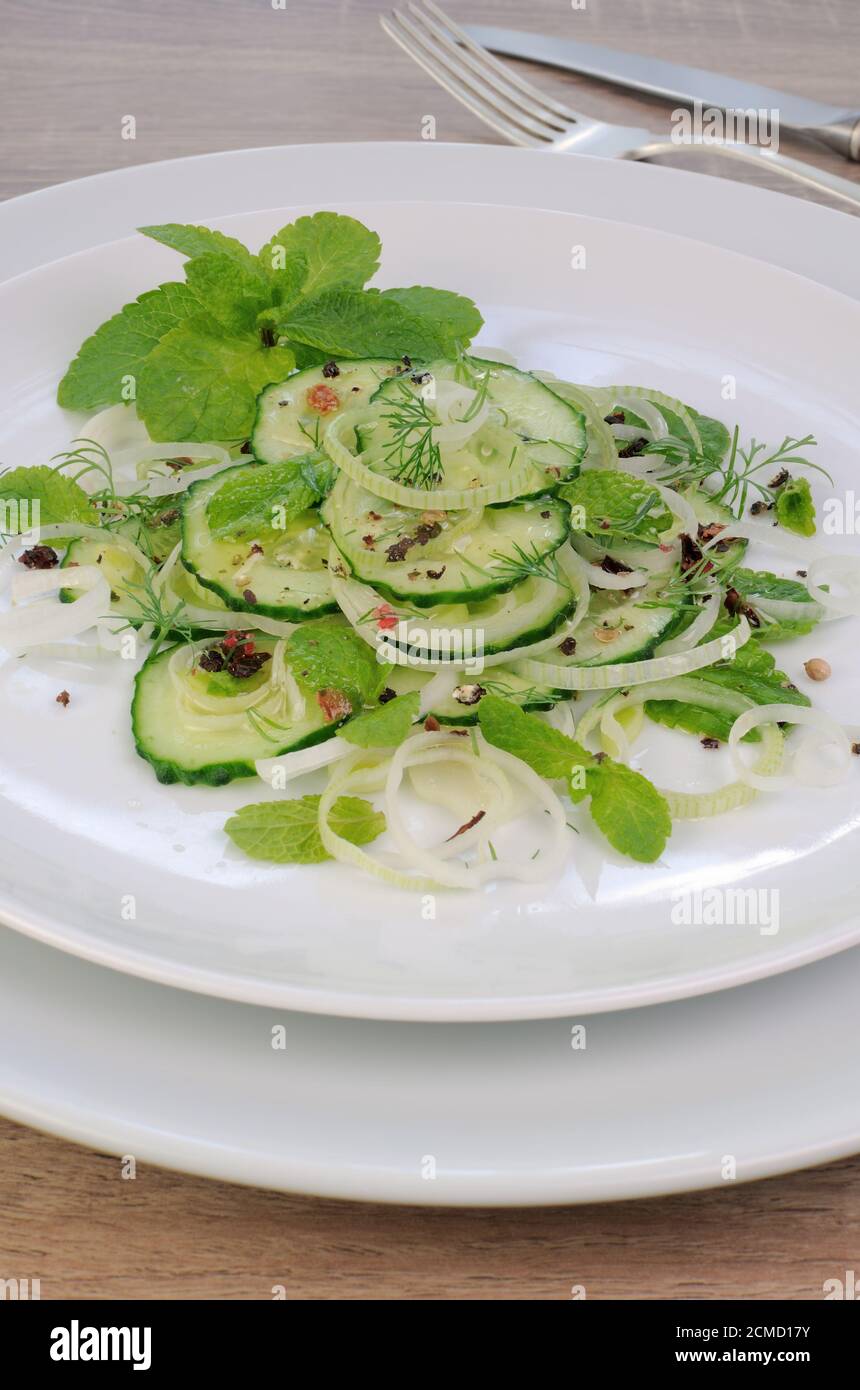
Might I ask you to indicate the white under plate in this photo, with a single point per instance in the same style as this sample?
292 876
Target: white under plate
657 1100
84 825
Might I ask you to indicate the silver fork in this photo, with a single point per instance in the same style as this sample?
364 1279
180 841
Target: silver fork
520 112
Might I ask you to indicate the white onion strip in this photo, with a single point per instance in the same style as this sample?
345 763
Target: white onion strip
808 766
845 569
600 578
45 621
278 771
628 673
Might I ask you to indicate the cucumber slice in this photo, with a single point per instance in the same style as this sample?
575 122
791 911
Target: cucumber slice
287 425
461 708
551 429
121 570
186 745
447 557
283 570
636 632
532 610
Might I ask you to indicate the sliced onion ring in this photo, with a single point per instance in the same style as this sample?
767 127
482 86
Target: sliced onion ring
807 767
628 673
508 486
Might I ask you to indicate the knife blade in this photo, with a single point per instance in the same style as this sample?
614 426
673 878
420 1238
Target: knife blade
831 124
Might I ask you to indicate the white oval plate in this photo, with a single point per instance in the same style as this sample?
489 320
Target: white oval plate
699 1093
86 829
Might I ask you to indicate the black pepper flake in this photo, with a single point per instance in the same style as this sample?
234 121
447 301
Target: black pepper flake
855 748
436 574
710 742
168 518
780 479
568 646
386 695
39 557
546 515
737 604
249 596
616 418
397 551
330 370
632 448
246 447
690 553
242 666
801 574
63 698
256 548
612 566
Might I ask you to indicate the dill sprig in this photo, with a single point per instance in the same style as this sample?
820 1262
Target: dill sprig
153 609
737 474
414 452
261 724
87 456
528 564
530 695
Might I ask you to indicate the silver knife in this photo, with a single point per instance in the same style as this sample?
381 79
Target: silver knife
829 124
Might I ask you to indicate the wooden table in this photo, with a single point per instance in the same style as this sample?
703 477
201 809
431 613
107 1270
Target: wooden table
221 74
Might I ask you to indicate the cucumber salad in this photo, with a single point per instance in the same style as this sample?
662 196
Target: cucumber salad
336 539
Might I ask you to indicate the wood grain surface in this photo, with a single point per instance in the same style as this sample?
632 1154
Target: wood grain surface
208 75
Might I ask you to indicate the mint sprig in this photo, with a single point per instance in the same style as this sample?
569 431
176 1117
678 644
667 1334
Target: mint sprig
625 806
194 356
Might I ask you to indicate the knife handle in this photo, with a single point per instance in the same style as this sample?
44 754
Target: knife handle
842 136
795 169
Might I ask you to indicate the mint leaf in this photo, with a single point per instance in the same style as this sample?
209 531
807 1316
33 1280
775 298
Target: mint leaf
625 806
118 349
753 585
201 241
361 323
455 318
547 750
245 501
385 727
713 433
795 509
337 251
286 832
609 503
230 294
196 385
327 656
59 498
629 810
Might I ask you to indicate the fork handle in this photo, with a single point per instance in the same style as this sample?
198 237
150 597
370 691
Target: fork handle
763 158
